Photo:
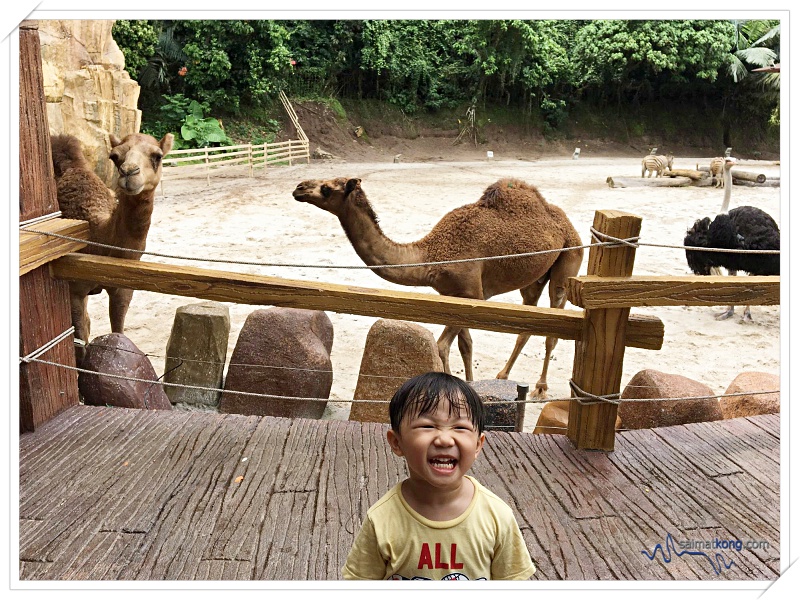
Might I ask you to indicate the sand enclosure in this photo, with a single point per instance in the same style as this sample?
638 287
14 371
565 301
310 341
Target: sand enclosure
244 218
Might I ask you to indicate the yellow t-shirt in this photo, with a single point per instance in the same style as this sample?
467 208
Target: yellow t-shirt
396 542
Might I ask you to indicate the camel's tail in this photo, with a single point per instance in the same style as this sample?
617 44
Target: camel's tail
66 153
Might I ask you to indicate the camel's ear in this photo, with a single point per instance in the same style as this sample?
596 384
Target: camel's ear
352 184
114 140
166 143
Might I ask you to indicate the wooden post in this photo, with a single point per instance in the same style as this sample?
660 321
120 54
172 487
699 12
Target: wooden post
522 395
208 169
600 350
44 312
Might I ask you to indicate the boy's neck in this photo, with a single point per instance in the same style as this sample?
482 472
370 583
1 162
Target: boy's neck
436 504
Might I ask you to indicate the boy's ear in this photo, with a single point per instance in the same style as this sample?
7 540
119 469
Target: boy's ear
394 442
481 439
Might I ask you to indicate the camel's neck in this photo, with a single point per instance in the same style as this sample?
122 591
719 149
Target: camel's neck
727 178
132 218
374 248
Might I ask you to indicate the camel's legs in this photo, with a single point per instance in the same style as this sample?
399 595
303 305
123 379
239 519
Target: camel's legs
443 344
119 299
465 348
530 296
79 303
566 266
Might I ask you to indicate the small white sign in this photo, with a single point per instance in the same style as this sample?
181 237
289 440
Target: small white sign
489 154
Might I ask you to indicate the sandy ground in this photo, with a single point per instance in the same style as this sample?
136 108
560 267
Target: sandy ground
244 218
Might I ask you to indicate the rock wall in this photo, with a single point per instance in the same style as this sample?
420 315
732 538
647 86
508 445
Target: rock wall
88 92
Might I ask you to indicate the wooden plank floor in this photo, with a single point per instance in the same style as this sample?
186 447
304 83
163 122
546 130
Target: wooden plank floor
118 494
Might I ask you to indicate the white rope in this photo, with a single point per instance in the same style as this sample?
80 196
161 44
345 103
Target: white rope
42 349
277 397
47 217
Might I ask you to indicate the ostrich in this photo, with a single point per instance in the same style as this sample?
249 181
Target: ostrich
743 228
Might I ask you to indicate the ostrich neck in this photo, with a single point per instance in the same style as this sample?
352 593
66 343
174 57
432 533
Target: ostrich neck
728 182
374 248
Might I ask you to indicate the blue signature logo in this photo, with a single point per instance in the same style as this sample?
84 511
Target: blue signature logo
717 564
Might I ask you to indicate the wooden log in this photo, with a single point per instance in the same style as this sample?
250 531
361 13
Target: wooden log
600 351
691 290
37 249
223 286
623 182
44 311
744 175
768 183
690 173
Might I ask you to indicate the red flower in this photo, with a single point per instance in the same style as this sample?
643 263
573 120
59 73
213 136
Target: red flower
182 72
293 62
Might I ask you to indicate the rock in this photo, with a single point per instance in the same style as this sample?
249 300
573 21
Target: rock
755 404
196 352
115 354
393 352
554 418
501 417
650 383
87 91
285 352
320 153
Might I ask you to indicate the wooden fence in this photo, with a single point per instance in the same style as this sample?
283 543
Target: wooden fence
601 331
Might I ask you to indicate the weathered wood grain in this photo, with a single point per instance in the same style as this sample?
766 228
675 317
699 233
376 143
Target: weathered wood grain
225 286
122 494
590 291
37 249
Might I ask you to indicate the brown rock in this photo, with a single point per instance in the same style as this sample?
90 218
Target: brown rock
394 351
663 413
285 352
115 354
554 418
751 404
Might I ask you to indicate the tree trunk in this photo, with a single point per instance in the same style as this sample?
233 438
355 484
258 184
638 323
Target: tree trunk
621 182
691 174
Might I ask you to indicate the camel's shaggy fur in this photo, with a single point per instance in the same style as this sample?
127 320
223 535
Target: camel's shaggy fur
120 219
511 217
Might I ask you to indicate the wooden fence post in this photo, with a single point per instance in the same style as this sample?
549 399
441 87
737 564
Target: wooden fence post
208 169
44 313
599 352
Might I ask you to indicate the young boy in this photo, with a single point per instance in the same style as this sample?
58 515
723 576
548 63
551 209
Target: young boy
439 523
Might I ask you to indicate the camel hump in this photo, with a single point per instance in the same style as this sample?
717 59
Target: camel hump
66 153
507 190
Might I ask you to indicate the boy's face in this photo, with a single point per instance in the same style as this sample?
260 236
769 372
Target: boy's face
439 448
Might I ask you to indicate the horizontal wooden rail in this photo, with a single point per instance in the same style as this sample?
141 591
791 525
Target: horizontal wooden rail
642 332
37 249
690 290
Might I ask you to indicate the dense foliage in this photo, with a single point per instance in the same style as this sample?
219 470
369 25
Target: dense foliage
543 67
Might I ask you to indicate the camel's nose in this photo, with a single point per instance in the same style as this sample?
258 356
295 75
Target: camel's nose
129 170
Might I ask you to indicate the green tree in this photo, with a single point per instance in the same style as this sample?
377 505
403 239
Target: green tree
137 40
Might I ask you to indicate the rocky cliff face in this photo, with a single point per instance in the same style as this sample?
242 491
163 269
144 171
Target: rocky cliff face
88 92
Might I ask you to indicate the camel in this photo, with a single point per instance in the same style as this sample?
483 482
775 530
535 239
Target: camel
511 217
119 218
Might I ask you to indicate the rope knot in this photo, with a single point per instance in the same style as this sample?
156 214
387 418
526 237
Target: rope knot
581 395
613 242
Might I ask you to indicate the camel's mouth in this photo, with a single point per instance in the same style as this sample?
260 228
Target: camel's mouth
130 185
300 195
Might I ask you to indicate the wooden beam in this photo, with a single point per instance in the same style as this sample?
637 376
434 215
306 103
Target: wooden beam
223 286
665 181
597 368
37 249
691 290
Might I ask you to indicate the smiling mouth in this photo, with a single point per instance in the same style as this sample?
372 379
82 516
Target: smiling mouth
443 464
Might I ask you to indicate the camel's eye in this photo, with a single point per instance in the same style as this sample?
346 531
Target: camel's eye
114 156
326 190
156 159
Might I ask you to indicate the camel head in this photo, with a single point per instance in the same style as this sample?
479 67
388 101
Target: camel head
137 159
331 195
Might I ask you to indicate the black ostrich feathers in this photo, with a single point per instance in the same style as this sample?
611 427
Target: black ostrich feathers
743 228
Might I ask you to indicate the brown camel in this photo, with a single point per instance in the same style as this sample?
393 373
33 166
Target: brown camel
510 218
121 219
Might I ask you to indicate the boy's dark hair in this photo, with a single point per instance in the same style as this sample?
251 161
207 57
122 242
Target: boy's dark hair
421 394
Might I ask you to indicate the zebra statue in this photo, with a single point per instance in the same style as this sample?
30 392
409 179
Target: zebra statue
656 164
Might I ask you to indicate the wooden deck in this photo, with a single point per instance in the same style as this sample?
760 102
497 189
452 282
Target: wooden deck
117 494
